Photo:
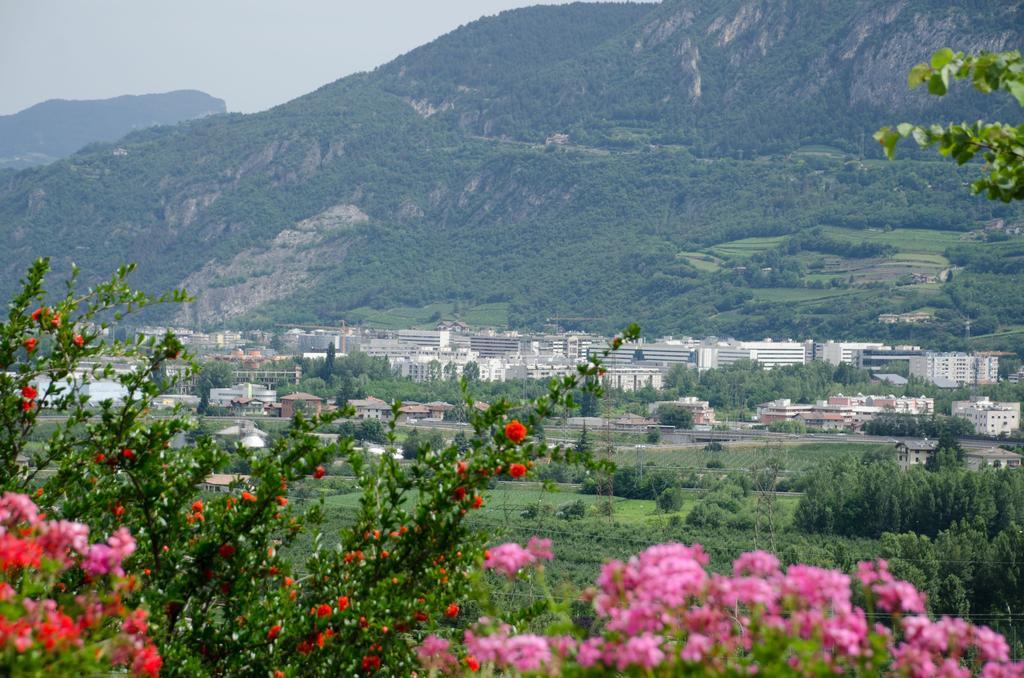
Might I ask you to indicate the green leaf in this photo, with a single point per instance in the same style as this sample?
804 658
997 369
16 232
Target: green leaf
936 85
904 128
941 58
918 75
1016 88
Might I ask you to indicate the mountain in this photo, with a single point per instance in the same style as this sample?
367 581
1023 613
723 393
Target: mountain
695 166
57 128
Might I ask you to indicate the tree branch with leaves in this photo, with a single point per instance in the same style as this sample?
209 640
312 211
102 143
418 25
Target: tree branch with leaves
1001 145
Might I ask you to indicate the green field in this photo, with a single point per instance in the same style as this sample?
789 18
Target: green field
797 294
747 246
701 261
742 456
904 239
401 317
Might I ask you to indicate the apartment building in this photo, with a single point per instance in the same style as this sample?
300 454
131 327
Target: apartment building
989 417
631 378
955 369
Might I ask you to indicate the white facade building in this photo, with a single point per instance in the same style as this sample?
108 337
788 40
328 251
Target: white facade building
767 353
955 368
989 418
631 378
837 352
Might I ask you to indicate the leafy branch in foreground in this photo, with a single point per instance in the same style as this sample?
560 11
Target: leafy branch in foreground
1001 145
222 596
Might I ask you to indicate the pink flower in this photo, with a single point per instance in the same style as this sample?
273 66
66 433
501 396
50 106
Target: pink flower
58 537
434 655
107 558
643 651
991 645
590 652
899 596
697 647
527 652
540 548
16 509
756 564
509 559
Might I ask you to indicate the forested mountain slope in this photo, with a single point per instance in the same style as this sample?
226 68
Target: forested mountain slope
57 128
691 126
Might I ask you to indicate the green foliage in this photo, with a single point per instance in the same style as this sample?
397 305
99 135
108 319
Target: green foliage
675 415
222 598
847 497
674 194
670 500
1001 145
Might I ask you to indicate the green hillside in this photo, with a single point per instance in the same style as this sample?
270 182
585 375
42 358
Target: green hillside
704 174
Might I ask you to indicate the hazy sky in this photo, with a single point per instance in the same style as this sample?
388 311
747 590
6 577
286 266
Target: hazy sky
251 53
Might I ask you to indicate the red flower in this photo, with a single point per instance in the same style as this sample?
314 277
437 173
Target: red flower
421 616
127 453
452 610
371 662
29 392
148 662
100 458
248 496
473 664
460 493
282 501
515 431
197 506
30 344
36 314
324 610
461 468
55 321
478 501
226 550
517 470
319 472
78 340
118 510
26 405
279 674
274 631
342 603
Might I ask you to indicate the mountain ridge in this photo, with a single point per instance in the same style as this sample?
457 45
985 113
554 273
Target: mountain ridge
408 186
56 128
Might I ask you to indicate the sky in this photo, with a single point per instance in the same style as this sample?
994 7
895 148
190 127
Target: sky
254 54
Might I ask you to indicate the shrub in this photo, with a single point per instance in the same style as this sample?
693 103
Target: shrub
222 599
663 613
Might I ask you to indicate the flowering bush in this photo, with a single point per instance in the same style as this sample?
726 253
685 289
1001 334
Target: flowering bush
44 628
663 613
222 598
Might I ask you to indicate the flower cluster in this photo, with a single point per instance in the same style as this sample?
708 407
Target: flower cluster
510 558
664 613
48 631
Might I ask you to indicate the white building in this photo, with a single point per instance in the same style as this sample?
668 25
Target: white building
222 397
428 338
837 352
989 418
631 378
955 368
767 353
